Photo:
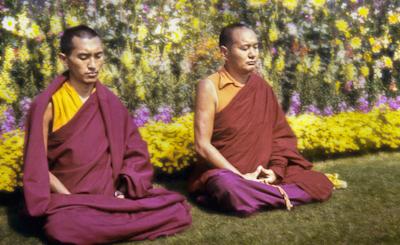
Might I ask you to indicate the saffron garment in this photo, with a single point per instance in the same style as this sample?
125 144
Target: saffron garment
66 103
250 129
95 153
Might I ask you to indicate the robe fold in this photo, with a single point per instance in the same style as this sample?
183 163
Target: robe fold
97 152
252 130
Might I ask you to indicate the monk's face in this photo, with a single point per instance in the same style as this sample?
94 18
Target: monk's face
242 54
85 60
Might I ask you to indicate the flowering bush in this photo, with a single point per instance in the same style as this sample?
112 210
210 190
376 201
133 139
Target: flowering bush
171 145
326 54
11 160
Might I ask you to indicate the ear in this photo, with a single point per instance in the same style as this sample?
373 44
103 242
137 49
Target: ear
224 52
63 57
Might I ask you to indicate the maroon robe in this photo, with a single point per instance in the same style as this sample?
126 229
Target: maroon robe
252 130
98 151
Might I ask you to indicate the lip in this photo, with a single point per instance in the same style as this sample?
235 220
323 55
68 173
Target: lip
91 74
252 63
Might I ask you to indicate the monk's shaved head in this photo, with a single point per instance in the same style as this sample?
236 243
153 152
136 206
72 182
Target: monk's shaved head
225 37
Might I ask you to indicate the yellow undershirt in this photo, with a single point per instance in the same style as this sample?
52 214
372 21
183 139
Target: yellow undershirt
66 103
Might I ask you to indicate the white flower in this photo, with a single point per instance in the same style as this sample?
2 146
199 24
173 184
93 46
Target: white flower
9 23
292 29
157 31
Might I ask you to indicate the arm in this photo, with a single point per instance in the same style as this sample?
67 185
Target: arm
55 184
206 103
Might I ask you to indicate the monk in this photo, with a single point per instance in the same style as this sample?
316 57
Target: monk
86 168
248 155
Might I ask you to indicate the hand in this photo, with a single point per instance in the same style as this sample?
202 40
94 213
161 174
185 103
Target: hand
254 175
119 194
268 176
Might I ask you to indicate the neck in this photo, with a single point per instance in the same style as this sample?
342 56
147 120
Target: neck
240 77
83 89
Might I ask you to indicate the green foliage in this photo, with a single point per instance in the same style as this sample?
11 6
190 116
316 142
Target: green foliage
327 51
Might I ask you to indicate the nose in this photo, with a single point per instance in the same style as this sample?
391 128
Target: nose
252 52
92 64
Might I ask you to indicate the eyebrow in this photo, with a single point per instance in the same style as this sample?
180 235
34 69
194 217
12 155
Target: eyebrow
89 53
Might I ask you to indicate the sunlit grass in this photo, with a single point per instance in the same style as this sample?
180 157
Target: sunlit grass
367 212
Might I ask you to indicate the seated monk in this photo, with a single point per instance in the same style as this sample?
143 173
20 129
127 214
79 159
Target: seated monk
86 168
248 154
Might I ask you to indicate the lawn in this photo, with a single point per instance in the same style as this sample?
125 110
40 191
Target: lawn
367 212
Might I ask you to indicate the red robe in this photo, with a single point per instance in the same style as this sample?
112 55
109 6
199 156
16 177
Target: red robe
96 152
252 130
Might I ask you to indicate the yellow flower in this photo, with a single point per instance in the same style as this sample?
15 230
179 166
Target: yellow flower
127 58
350 72
280 63
23 53
273 33
355 42
141 91
318 3
268 61
393 18
337 87
196 24
396 55
177 35
387 61
376 47
338 42
142 32
34 31
72 20
363 12
289 4
363 31
315 65
337 183
256 3
364 71
23 23
342 26
55 24
371 41
367 57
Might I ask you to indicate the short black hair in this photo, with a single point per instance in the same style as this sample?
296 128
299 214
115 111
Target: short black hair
225 37
81 31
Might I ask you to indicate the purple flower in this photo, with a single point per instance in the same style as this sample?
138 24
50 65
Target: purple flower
381 101
295 104
363 105
145 8
342 106
273 51
24 106
328 111
394 104
141 115
348 86
186 110
313 109
9 121
164 114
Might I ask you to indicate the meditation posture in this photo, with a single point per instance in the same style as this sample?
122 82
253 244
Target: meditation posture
86 168
248 155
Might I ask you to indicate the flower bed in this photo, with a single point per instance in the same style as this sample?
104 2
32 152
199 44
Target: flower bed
172 149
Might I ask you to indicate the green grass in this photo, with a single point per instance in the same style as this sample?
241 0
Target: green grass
367 212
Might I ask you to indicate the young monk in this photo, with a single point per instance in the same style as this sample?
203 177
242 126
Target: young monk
249 159
86 168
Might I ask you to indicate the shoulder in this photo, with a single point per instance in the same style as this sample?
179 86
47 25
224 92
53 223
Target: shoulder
209 83
261 81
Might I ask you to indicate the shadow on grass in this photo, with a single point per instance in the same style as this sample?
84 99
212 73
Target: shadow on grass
18 220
